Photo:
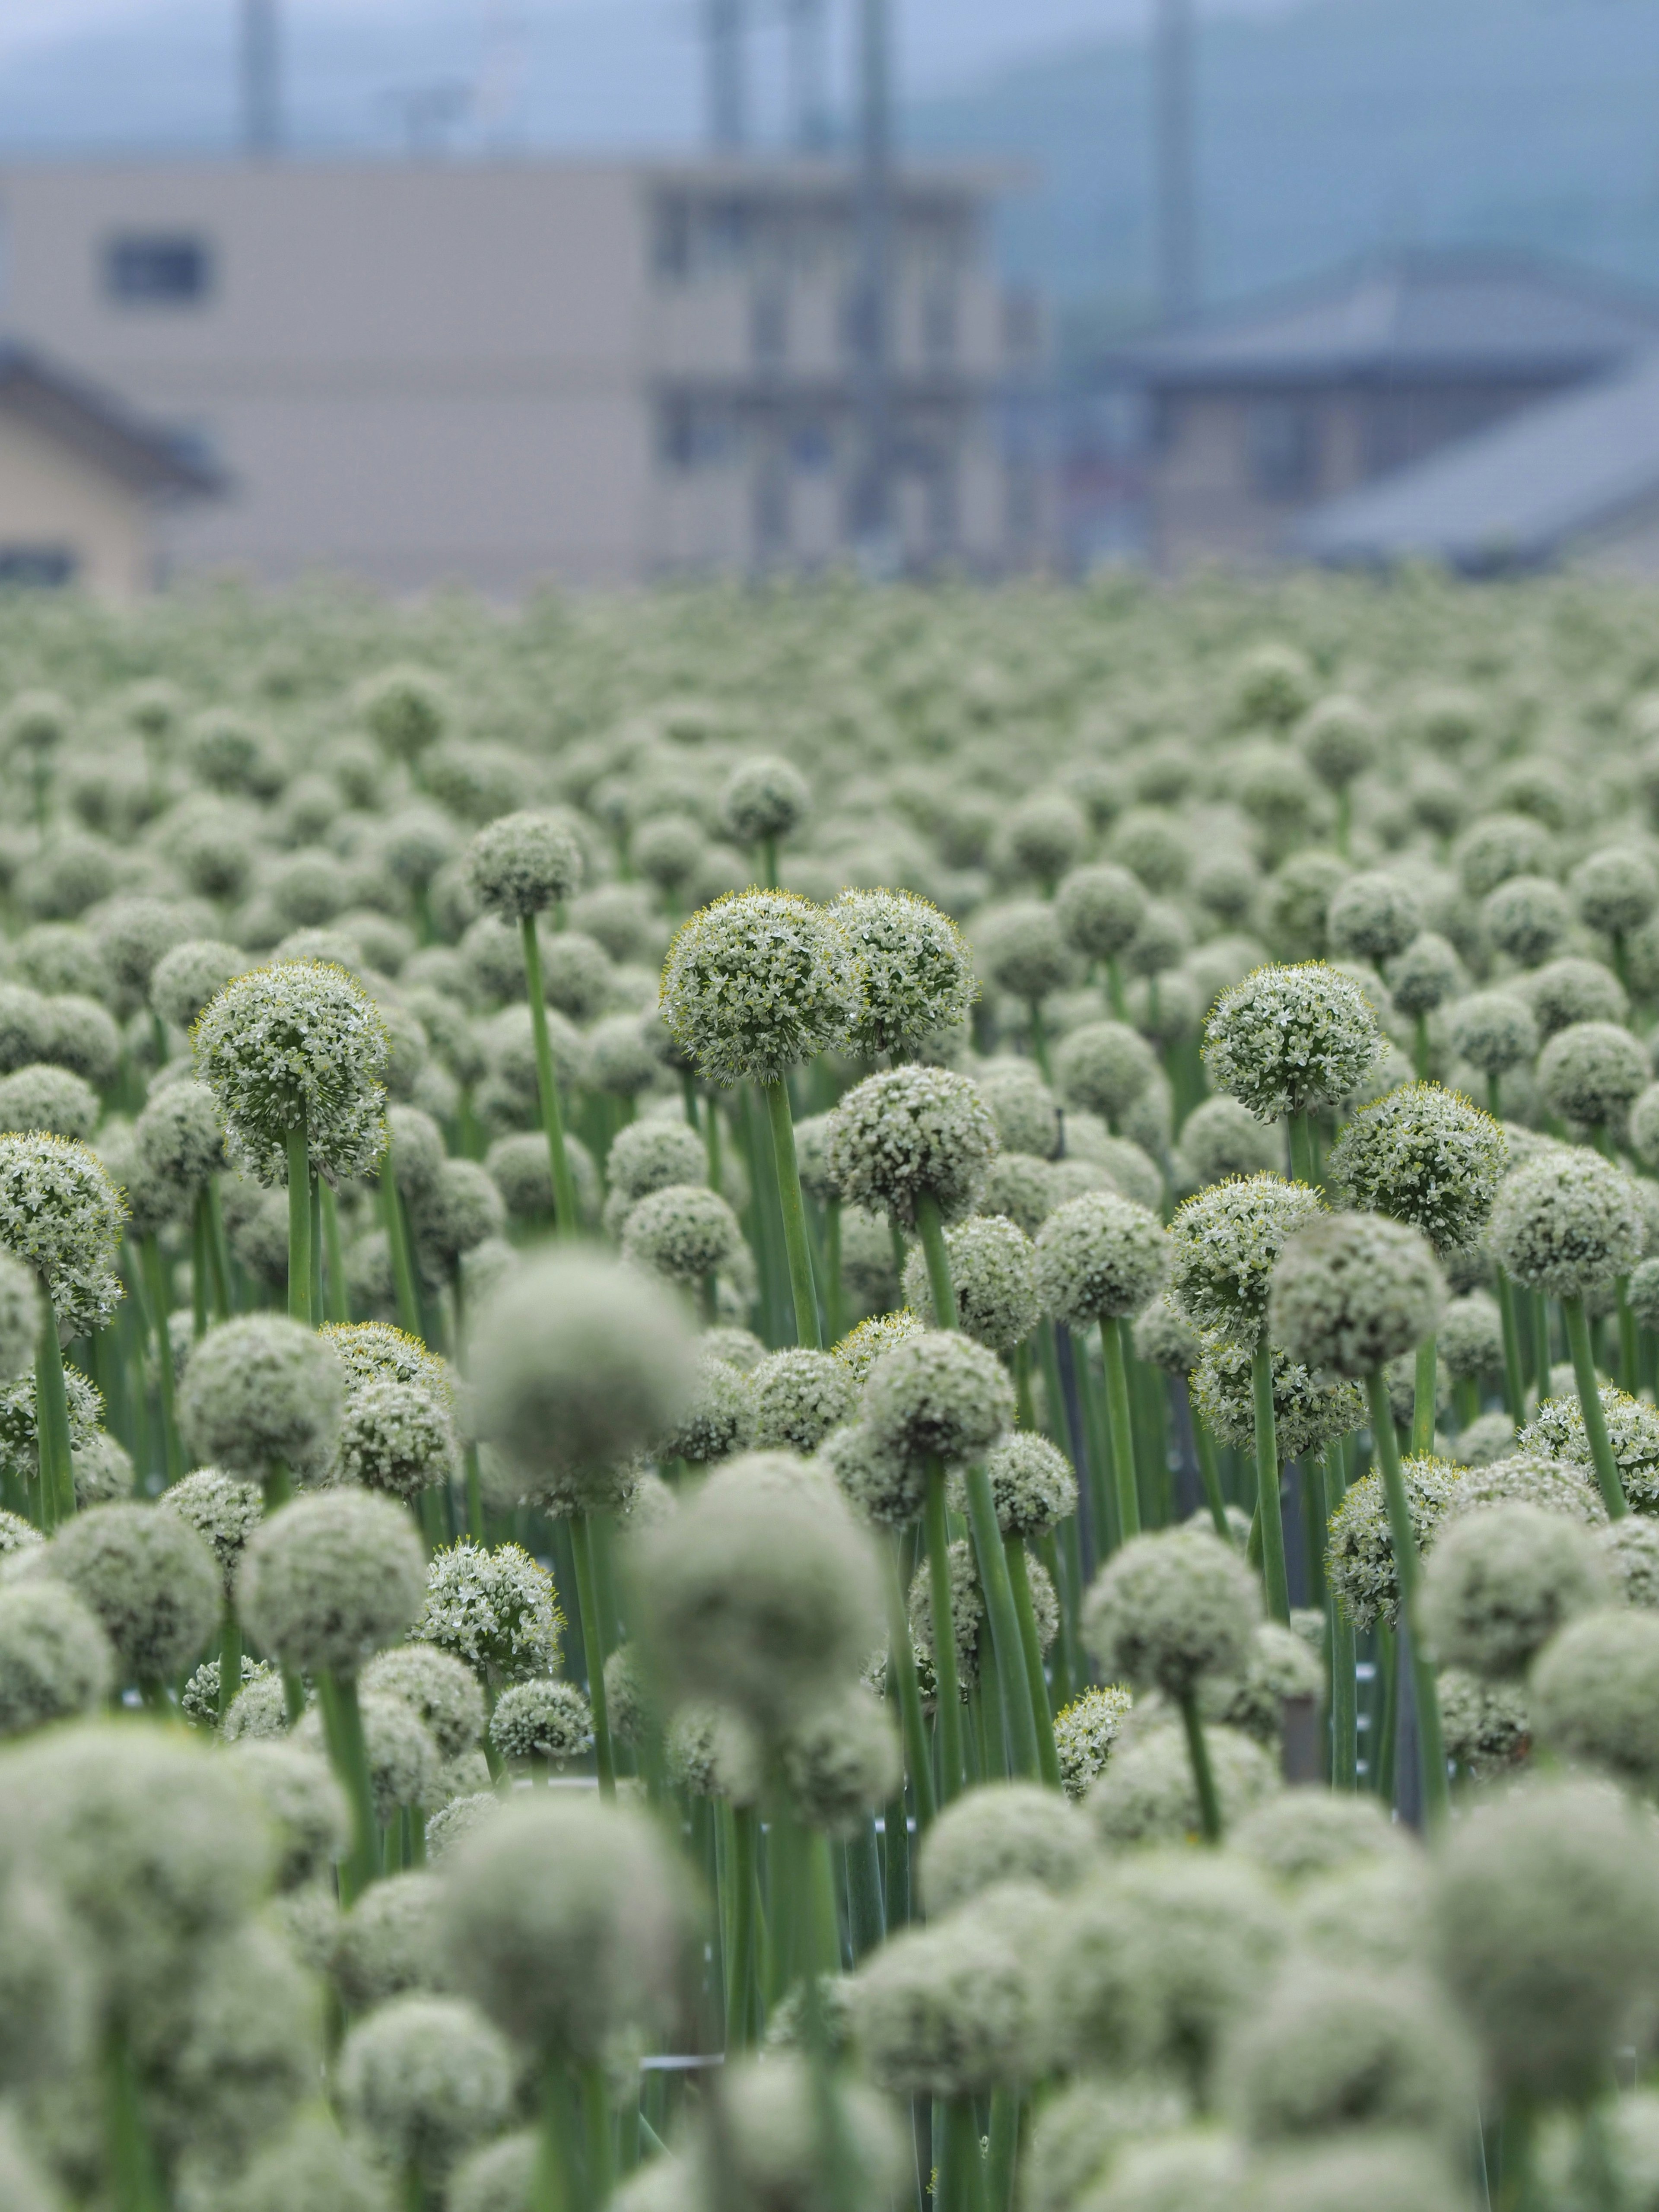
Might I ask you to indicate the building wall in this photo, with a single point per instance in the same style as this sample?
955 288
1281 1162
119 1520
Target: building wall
62 520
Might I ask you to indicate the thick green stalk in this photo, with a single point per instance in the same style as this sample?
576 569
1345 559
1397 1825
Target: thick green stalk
1061 1554
555 2187
1209 1804
230 1657
316 1200
343 1726
1303 1164
1515 1388
596 2118
1338 1630
1126 1488
1007 1642
1406 1567
587 1599
1629 1373
298 1226
1269 1512
930 1228
944 1635
1047 1760
475 1510
867 1919
902 1659
1209 1469
51 1424
199 1267
337 1306
564 1185
835 1305
1040 1041
173 1451
1426 1380
782 1121
1590 1397
739 1935
218 1251
1004 2151
135 2184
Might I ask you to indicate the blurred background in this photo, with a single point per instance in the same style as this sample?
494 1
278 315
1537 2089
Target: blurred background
485 291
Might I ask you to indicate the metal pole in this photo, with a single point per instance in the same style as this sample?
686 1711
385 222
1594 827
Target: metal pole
808 23
262 123
875 220
723 21
1177 195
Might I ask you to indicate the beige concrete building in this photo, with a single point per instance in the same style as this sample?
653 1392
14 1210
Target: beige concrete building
595 371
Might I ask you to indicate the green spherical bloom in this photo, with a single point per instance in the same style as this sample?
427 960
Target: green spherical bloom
1426 975
1629 1551
1157 1959
19 1319
944 2011
1227 1243
1002 1832
1163 1337
578 1365
495 1609
710 1752
564 1919
1592 1692
1279 1665
1100 1257
187 978
397 1438
1557 1431
1359 1562
1085 1734
405 1764
1309 1411
1104 1067
462 1210
1425 1156
548 1722
424 2077
1220 1140
1147 1796
179 1138
993 1275
938 1396
967 1618
860 1348
1499 845
55 1659
1099 909
258 1711
720 1419
305 1805
405 709
768 2153
260 1389
331 1578
1590 1071
1484 1727
909 971
298 1046
375 1352
1546 1924
1373 916
20 1439
1169 1609
682 1233
761 1595
1385 2174
1615 890
796 1398
1493 1030
1527 918
1572 990
441 1690
764 798
1644 1129
756 984
49 1100
1024 1109
1491 1437
1471 1337
522 864
1021 1187
882 1482
62 1218
151 1581
1302 1834
1032 1485
910 1132
1021 950
313 2165
1290 1040
1566 1223
1354 1292
842 1761
1340 739
25 1026
391 1941
650 1155
1500 1581
501 2177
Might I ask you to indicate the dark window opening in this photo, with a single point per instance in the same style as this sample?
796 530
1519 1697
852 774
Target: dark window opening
33 567
1279 444
157 271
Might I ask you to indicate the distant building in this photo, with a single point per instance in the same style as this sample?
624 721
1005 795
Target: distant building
1259 414
598 371
84 484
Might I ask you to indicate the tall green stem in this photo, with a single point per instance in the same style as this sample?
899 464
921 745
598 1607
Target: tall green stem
1198 1751
1005 1639
1305 1166
554 2187
739 1935
1426 1381
901 1658
587 1599
337 1308
930 1228
1406 1567
397 1237
51 1424
135 2186
835 1305
1339 1634
1515 1388
564 1185
1590 1397
1127 1489
1269 1513
1031 1645
781 1121
343 1726
1209 1469
230 1657
298 1226
596 2118
172 1452
945 1634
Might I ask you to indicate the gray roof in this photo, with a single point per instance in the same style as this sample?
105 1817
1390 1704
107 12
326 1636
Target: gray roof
1513 495
1411 316
139 453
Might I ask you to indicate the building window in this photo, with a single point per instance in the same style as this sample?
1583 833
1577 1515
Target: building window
157 271
768 326
1279 447
811 448
27 568
698 434
939 326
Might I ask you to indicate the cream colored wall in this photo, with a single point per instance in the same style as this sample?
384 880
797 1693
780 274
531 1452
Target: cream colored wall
50 498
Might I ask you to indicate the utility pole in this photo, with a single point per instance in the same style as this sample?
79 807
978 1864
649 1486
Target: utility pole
808 24
723 28
262 117
872 505
1176 182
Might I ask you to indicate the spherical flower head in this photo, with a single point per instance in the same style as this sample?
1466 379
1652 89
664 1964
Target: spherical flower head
1220 1140
1353 1292
188 977
1615 890
797 1398
993 1274
1471 1337
1169 1609
1426 975
375 1352
1099 909
522 864
1100 1257
938 1396
1340 739
1359 1562
1032 1485
1226 1243
1501 1581
909 1131
391 1941
179 1137
1373 916
769 2148
764 798
1086 1733
56 1662
149 1580
1164 1338
909 971
579 1365
882 1482
223 1511
1021 950
1488 1437
1493 1030
1292 1040
711 1752
1563 1486
1147 1796
719 1421
648 1156
1629 1551
1485 1727
260 1389
312 2163
860 1348
1566 1223
550 1722
942 2011
1426 1155
495 1609
300 1045
1024 1109
21 1312
1592 1692
1572 990
305 1803
424 2077
1104 1067
1590 1071
842 1761
1557 1431
329 1579
397 1439
462 1210
1003 1832
754 985
1547 1930
62 1218
682 1232
1309 1411
761 1595
50 1100
1643 1128
563 1920
19 1434
1305 1833
404 1766
439 1689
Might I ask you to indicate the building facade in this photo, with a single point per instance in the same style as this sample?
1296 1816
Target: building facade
599 373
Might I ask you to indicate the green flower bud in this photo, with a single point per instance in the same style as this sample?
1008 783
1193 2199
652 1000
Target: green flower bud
683 1232
1565 1223
1359 1562
305 1805
1557 1431
942 2011
375 1352
938 1396
494 1609
439 1689
1099 909
1021 950
1085 1735
909 1131
1353 1292
1002 1832
1592 1691
993 1273
300 1045
1024 1109
909 971
1501 1581
1220 1140
424 2077
522 864
1169 1608
796 1398
754 984
842 1761
55 1659
331 1578
61 1217
1590 1071
1385 2174
1305 1833
1572 990
1308 1413
545 1721
1373 916
1289 1040
1629 1554
1100 1256
1424 1155
720 1419
391 1943
883 1482
259 1390
397 1439
1227 1243
153 1584
1147 1796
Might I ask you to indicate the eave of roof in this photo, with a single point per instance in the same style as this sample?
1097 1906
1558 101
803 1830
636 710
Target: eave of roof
94 423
